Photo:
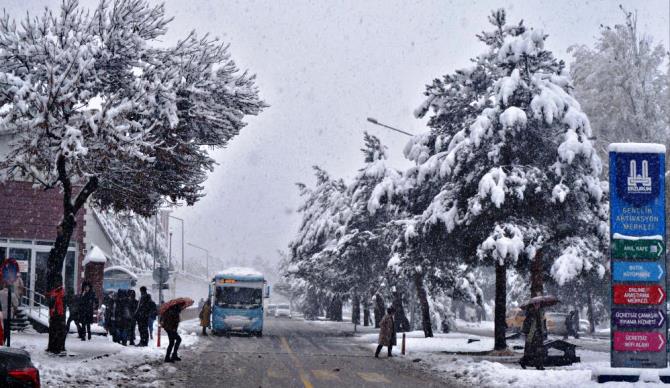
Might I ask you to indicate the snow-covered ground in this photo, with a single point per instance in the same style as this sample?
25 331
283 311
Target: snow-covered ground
101 362
438 354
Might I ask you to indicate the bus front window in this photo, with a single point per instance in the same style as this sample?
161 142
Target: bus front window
239 297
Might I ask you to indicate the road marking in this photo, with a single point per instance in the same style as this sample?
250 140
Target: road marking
324 374
373 377
304 377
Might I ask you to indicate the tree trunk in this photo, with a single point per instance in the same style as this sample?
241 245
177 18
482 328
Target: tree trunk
500 343
401 321
356 309
590 312
335 309
536 281
366 313
55 292
380 309
425 307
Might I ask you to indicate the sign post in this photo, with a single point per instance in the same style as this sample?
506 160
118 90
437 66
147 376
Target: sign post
637 227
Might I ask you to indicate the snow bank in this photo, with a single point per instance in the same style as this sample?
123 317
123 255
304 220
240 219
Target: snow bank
99 362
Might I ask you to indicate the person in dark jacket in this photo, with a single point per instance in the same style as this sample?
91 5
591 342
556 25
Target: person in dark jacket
387 333
108 301
72 302
571 325
122 316
88 304
132 306
170 322
533 350
142 315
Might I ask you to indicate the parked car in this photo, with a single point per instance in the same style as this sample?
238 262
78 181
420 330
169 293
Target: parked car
283 310
555 323
514 320
271 310
17 369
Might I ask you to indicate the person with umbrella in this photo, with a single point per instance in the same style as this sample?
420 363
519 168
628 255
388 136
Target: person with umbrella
169 315
533 351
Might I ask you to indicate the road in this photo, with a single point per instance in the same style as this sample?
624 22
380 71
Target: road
294 353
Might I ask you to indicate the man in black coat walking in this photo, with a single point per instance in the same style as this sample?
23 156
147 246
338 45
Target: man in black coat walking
142 314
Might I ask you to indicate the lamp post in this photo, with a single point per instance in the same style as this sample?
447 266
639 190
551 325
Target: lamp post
375 122
170 253
206 253
182 241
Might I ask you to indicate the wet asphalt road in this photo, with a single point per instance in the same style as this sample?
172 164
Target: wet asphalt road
294 353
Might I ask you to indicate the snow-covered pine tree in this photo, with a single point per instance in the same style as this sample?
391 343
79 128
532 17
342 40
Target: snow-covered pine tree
365 247
311 257
506 205
621 85
97 112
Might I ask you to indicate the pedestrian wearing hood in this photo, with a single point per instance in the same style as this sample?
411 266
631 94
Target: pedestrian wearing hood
205 315
387 333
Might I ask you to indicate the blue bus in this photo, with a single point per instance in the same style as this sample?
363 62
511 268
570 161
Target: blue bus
237 301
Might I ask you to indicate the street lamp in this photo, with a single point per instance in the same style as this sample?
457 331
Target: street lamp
375 122
206 252
182 241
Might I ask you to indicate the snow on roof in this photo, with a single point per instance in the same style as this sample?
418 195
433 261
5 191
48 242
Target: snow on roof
648 148
95 255
122 269
240 272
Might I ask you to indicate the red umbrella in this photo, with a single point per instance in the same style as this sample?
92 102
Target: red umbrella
165 306
543 301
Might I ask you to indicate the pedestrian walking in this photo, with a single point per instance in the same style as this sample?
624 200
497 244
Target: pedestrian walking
533 351
132 307
170 322
571 325
142 314
109 323
88 304
205 314
387 333
72 303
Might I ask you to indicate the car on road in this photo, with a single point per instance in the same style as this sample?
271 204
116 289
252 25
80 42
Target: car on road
17 369
514 320
271 310
283 310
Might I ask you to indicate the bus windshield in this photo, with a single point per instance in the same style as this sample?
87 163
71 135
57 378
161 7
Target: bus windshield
239 297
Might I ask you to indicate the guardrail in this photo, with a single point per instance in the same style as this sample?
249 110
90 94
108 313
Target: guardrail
35 302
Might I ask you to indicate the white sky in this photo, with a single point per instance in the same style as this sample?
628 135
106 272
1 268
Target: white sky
324 66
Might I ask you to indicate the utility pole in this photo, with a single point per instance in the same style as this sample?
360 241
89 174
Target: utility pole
170 252
182 241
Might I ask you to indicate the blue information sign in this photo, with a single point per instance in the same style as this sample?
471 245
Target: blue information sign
637 227
637 271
